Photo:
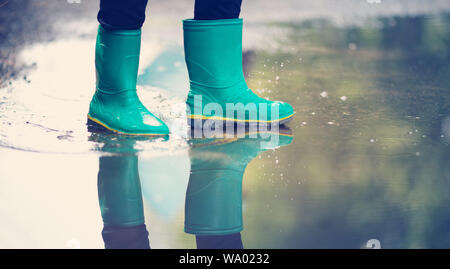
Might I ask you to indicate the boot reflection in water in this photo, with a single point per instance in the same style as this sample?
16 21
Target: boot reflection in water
213 209
213 54
120 198
119 193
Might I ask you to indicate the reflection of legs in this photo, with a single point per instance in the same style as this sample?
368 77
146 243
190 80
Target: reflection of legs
120 199
135 237
229 241
217 9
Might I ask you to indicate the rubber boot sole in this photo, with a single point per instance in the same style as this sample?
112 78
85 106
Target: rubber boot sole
95 125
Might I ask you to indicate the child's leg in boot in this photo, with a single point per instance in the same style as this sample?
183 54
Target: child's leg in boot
115 104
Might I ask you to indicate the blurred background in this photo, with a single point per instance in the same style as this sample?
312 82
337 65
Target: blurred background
370 155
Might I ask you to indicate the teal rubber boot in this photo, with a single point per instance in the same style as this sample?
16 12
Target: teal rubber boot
119 186
115 104
218 91
120 198
214 194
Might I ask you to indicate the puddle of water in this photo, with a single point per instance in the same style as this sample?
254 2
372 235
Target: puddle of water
46 112
369 158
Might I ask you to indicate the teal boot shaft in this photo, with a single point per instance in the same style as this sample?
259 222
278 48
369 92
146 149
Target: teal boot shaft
115 104
117 59
213 52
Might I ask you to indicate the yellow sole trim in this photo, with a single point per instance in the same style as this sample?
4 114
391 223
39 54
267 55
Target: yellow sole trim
201 117
119 132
